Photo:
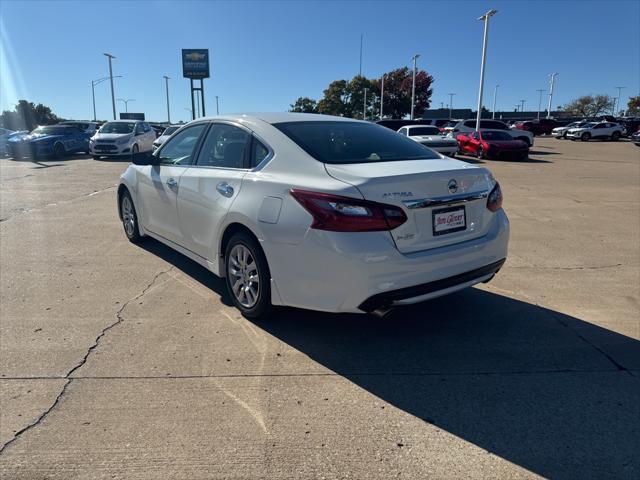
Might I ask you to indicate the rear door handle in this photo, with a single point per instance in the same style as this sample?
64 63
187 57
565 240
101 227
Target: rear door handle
172 184
225 189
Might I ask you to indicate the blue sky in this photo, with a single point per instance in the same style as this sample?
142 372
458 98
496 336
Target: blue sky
266 54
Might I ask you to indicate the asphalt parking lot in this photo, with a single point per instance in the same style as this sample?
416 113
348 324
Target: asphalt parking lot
124 361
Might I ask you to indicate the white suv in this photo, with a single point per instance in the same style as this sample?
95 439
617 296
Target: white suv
467 126
122 137
601 130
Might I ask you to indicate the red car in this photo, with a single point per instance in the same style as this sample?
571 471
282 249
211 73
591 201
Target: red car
492 144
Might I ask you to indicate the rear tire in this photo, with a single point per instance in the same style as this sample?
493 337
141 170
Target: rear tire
59 151
480 153
129 218
96 157
615 136
585 137
247 276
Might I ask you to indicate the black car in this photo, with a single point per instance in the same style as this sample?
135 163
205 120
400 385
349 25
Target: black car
631 126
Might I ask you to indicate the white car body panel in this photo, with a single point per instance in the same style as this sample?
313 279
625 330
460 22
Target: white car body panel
310 268
144 141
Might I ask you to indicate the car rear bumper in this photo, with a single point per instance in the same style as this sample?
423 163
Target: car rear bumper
342 272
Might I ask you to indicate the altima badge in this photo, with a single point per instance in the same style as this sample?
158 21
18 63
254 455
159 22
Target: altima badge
453 185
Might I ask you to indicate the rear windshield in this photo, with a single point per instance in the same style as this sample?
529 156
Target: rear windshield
353 142
424 131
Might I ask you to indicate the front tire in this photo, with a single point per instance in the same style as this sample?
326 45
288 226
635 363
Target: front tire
615 136
247 276
585 137
59 151
480 153
129 218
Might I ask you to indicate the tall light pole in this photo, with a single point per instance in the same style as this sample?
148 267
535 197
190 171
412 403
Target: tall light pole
539 101
484 18
217 106
113 96
166 87
364 107
93 91
551 82
413 85
618 102
126 103
495 94
522 103
381 96
360 71
190 112
450 103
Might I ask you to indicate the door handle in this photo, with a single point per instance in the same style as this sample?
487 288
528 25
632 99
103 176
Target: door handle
172 184
225 189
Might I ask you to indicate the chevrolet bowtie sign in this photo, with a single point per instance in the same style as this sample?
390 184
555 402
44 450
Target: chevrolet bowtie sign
195 63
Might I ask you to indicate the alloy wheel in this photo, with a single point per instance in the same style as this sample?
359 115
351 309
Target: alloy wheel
128 217
244 276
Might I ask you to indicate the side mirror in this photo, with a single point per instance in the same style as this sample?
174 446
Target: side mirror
145 158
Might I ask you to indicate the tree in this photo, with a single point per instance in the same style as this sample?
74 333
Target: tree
27 116
589 106
633 106
397 92
334 100
304 105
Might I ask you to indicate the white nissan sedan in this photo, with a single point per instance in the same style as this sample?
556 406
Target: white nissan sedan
318 212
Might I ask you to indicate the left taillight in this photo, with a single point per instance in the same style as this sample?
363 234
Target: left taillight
494 201
336 213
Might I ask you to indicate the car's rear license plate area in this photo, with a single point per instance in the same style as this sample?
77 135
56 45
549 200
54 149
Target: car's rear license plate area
449 220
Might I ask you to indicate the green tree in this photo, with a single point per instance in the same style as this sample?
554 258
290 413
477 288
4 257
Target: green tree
589 105
304 105
334 100
633 106
27 116
355 97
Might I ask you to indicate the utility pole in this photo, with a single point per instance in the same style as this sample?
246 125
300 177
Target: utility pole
539 101
495 94
381 96
618 102
113 97
484 18
93 91
551 82
217 106
522 103
413 85
166 84
364 107
450 103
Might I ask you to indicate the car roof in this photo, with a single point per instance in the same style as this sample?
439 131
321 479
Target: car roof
126 121
280 117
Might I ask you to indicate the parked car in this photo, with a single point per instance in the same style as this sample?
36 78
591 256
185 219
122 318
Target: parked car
48 141
541 126
493 144
467 126
430 136
5 135
561 132
635 138
89 128
630 125
436 122
601 130
167 132
122 137
318 212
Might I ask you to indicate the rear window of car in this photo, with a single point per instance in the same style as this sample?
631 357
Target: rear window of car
353 142
424 131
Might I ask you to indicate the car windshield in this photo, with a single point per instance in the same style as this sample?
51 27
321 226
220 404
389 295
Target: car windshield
169 130
424 131
353 142
118 127
574 124
496 136
50 130
81 126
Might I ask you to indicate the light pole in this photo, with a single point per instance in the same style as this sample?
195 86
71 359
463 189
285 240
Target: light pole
381 96
93 91
450 103
485 18
618 102
113 96
539 101
217 106
413 85
495 94
364 106
190 112
551 82
126 103
522 103
166 86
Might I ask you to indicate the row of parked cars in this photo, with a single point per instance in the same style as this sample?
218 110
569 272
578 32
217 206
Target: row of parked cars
116 138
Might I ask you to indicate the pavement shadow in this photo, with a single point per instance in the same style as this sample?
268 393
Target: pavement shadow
479 161
541 152
546 391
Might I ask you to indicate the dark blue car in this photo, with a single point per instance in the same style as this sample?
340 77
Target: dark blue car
49 141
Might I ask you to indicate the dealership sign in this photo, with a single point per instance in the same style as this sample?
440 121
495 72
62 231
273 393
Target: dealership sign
195 62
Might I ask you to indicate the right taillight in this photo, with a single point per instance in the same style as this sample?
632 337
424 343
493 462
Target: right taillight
494 202
345 214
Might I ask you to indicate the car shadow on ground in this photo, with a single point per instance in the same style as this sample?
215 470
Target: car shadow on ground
546 391
478 161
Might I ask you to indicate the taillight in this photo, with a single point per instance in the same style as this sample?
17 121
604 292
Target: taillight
345 214
494 202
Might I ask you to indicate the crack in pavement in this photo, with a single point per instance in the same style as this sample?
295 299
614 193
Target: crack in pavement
96 342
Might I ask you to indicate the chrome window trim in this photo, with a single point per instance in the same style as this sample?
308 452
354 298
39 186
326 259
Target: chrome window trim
445 200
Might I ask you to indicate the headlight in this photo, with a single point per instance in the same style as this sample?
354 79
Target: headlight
122 141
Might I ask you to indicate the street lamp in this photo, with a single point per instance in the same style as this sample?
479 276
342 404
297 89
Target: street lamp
126 103
552 81
113 97
539 101
450 103
413 85
381 96
485 18
618 102
217 107
364 106
93 91
522 102
190 111
495 94
166 85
